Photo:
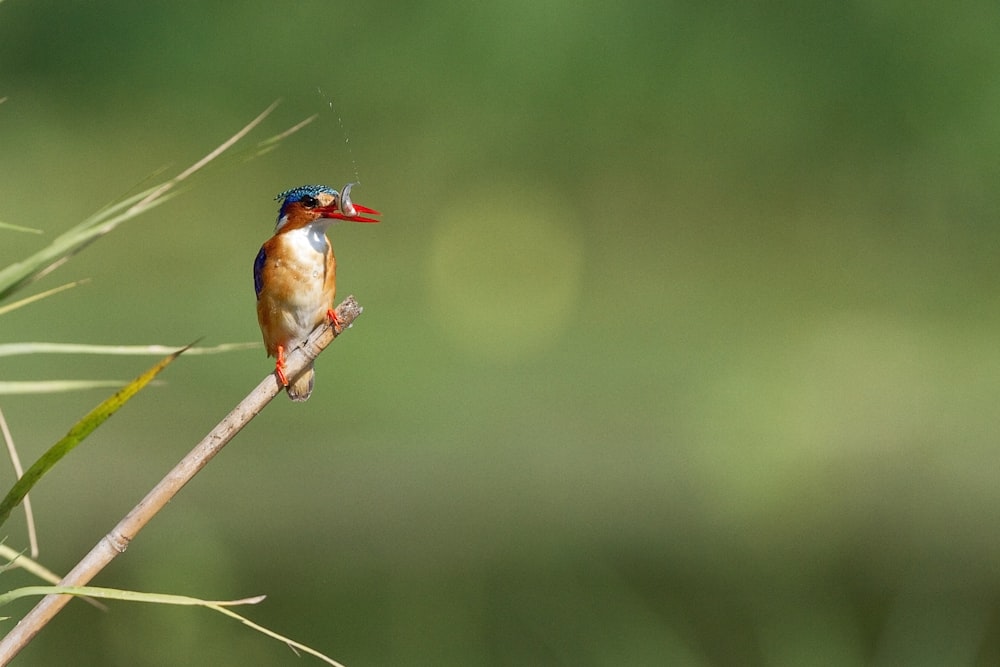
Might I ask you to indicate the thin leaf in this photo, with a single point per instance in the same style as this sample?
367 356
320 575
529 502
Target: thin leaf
287 133
19 228
68 244
18 349
41 295
295 646
18 274
264 146
15 460
19 560
162 598
16 388
205 160
76 435
123 595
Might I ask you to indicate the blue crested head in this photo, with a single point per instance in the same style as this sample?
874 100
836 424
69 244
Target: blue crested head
308 204
300 193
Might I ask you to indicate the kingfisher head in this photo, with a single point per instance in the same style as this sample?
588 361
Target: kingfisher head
307 204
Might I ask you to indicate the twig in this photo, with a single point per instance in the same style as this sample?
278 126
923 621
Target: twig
116 541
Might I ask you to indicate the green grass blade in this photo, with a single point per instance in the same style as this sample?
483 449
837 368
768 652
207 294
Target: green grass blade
20 349
38 297
64 246
25 387
220 606
120 594
76 435
17 559
19 228
73 241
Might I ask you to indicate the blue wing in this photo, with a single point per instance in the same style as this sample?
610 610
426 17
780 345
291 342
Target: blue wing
258 270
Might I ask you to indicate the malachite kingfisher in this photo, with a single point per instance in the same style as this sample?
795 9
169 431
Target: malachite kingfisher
295 273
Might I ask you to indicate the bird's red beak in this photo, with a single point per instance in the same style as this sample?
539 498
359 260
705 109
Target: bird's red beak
346 209
334 212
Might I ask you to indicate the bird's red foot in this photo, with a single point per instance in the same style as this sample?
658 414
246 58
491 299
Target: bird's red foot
279 366
331 317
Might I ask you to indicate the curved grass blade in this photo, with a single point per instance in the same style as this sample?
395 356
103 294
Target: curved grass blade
76 239
16 559
80 430
67 244
162 598
38 297
124 595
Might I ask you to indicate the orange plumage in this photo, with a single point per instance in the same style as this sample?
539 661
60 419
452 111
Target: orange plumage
295 274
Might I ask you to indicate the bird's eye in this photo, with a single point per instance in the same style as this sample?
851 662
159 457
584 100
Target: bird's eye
308 201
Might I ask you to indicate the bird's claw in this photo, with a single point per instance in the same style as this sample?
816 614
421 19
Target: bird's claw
331 317
279 367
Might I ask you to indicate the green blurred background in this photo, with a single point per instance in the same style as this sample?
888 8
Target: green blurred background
679 344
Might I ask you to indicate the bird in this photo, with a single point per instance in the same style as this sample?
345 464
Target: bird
295 274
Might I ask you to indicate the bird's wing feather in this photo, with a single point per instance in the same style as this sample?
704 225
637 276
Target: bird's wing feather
258 270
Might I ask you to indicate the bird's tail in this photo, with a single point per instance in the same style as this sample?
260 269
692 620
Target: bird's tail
300 389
